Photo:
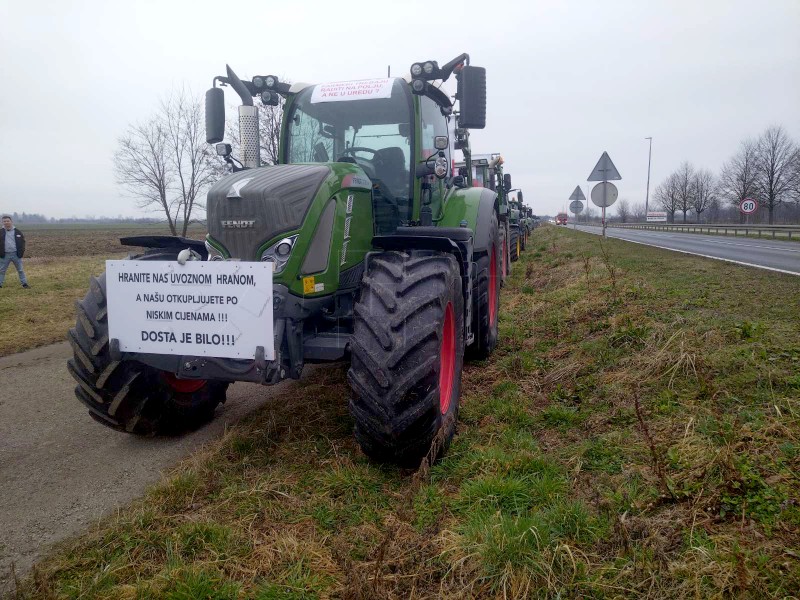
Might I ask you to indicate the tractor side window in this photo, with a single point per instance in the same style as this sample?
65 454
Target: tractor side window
311 137
433 124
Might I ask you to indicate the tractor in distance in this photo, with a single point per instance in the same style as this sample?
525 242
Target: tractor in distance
516 226
487 171
562 218
380 255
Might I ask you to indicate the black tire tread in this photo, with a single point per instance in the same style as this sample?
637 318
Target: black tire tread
128 395
395 400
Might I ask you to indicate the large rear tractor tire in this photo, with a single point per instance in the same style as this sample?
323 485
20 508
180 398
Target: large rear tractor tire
486 296
407 355
515 245
524 237
128 395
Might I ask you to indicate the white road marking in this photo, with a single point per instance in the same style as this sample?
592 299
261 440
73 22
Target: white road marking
737 262
705 239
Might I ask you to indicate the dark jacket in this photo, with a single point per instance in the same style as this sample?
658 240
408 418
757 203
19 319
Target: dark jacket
20 242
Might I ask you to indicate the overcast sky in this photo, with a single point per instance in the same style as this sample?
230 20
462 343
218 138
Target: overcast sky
567 80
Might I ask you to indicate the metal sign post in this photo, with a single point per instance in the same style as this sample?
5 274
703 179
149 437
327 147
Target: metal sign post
576 206
606 195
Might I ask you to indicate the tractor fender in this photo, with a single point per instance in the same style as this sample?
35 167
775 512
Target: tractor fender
170 242
487 204
472 208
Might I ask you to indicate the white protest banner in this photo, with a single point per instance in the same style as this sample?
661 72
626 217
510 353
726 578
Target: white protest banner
216 308
340 91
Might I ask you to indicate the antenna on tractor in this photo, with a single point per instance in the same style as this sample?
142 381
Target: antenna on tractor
389 71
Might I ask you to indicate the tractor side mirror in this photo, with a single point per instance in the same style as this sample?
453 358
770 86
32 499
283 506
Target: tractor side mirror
507 181
472 97
215 115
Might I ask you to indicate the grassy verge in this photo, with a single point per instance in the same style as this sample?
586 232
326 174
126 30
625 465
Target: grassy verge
635 435
59 261
43 313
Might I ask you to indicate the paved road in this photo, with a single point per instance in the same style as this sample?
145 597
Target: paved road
60 471
783 256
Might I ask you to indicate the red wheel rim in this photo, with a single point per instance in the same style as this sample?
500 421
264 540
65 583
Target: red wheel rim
183 386
447 359
493 287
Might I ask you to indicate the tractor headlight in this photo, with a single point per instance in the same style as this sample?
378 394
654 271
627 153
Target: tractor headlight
279 252
416 69
417 86
258 82
214 253
440 167
270 81
428 67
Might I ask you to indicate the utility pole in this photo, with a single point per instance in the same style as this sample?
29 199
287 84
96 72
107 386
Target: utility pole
647 198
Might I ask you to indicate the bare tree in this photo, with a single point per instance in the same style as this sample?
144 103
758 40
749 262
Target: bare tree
165 161
737 180
684 188
667 196
639 212
704 192
775 169
624 210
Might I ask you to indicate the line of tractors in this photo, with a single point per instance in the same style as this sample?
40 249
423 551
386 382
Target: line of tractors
384 252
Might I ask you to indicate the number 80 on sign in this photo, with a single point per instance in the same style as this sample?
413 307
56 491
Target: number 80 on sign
748 206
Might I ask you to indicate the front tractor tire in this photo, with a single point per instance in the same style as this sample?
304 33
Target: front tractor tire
407 355
128 395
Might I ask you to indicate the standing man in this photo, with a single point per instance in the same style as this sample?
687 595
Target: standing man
12 248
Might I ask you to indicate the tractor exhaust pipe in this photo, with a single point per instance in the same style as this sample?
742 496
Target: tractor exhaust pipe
249 136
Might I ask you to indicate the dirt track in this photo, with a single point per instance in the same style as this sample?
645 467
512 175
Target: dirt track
60 471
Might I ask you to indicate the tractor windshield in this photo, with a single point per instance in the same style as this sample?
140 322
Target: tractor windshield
373 132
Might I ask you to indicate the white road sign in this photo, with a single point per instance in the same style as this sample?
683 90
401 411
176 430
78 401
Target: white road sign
748 206
218 308
577 194
610 196
604 170
654 216
576 206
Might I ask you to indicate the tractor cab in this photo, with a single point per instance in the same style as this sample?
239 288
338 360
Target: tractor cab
372 130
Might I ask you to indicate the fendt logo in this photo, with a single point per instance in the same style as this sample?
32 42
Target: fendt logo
240 224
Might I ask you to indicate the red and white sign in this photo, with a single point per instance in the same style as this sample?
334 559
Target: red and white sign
748 206
341 91
655 216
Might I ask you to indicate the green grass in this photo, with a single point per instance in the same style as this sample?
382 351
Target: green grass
635 435
59 259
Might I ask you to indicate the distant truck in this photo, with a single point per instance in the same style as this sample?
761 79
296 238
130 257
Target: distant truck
561 218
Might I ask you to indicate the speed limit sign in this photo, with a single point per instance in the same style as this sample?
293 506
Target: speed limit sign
748 206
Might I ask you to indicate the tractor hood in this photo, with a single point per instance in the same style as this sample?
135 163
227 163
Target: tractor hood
251 207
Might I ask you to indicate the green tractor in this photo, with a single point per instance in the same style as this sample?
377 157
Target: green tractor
515 225
379 254
520 216
487 171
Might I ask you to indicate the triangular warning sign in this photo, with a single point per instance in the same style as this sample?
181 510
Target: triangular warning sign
604 170
577 194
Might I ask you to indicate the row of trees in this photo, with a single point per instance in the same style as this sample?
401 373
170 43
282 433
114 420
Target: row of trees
37 218
766 169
